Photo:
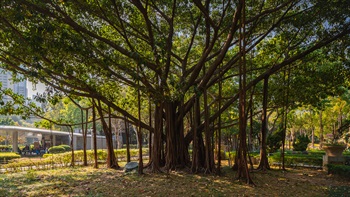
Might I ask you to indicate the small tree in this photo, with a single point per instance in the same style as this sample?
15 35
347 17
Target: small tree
274 141
301 143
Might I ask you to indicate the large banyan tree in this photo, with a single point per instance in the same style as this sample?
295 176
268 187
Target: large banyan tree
174 52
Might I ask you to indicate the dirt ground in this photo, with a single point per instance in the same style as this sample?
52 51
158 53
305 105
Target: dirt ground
86 181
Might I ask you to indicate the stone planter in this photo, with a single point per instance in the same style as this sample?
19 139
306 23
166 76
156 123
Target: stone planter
334 155
334 150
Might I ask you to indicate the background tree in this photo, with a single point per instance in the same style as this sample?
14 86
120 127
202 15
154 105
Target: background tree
95 49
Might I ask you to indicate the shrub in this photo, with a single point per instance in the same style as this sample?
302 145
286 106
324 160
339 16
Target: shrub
66 147
341 170
64 159
27 164
296 159
47 155
301 143
274 141
57 149
5 147
6 156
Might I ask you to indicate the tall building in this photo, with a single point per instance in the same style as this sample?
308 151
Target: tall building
21 88
18 87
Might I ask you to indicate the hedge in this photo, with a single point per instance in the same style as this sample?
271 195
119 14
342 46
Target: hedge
341 170
4 147
64 159
66 147
57 149
6 156
295 159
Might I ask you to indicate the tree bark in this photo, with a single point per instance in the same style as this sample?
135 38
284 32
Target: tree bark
313 138
156 160
94 133
139 132
84 132
218 171
195 144
72 146
264 163
150 133
126 126
209 159
242 164
111 159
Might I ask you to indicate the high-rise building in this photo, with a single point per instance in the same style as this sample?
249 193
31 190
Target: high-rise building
21 88
17 87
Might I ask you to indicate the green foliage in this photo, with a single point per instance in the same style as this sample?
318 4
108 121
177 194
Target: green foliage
297 158
274 141
341 170
6 156
47 155
60 149
301 143
31 175
64 159
7 121
93 48
66 147
57 149
5 147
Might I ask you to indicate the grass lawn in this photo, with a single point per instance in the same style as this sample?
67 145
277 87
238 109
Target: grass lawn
87 181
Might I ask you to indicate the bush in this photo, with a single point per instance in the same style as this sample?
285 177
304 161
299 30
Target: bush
341 170
64 159
47 155
301 143
57 149
296 159
66 147
274 141
5 147
6 156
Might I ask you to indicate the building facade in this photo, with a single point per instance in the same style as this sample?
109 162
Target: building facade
17 87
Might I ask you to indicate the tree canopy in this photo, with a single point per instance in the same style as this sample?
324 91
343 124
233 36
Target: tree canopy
175 53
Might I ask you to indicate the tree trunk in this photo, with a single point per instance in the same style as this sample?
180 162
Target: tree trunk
242 171
171 141
321 130
72 146
175 149
126 126
139 132
183 158
84 132
251 112
195 144
111 159
156 161
209 159
264 163
218 171
150 133
313 138
285 116
94 134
